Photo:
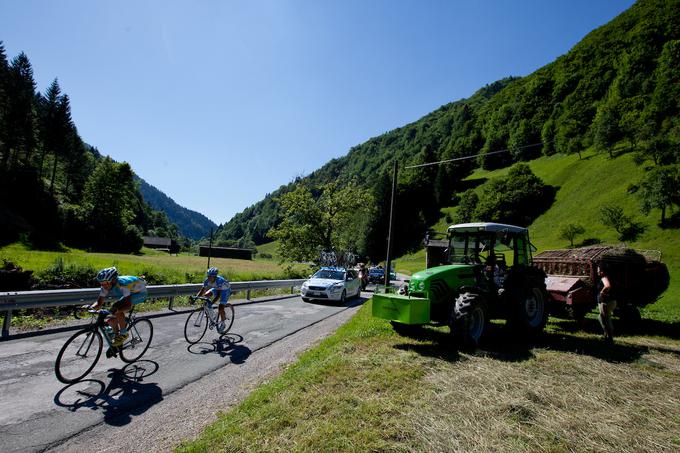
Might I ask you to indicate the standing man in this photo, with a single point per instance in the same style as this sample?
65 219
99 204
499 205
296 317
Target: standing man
605 301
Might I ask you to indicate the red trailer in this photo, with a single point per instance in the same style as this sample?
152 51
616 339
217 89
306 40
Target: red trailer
638 278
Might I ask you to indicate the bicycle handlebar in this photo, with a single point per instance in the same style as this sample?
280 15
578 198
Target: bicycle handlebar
203 298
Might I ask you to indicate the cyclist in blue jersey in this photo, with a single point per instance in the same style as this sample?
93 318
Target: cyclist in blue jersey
216 287
128 289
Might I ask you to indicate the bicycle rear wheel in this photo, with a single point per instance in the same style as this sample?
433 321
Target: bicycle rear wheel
141 333
195 326
229 317
78 356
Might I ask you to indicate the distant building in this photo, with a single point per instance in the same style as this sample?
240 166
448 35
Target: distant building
226 252
163 244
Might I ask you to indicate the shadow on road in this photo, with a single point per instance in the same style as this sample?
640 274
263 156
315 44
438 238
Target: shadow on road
349 303
124 396
226 345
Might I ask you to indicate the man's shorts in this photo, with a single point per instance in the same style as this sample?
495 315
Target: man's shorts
224 297
137 298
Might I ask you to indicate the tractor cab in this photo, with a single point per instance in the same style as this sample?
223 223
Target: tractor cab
489 244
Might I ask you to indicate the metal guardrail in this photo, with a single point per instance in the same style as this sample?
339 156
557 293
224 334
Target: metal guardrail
20 300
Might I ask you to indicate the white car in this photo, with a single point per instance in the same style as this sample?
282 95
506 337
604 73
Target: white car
332 283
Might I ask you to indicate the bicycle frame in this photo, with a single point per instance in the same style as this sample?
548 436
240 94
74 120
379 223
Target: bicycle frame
209 312
101 325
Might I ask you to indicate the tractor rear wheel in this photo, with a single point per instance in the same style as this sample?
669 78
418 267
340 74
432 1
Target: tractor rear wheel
469 320
529 312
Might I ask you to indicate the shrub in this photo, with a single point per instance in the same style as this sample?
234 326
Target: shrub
614 217
61 275
570 231
518 198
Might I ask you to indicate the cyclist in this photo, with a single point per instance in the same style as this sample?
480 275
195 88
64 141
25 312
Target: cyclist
128 289
216 287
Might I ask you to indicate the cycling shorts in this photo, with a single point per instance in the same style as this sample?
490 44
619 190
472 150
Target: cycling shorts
224 297
137 298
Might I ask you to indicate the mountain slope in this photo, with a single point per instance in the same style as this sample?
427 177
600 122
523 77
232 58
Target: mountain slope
191 224
605 90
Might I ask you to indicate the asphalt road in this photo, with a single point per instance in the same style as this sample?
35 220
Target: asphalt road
167 396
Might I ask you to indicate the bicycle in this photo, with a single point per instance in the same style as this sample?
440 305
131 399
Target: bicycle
83 349
205 317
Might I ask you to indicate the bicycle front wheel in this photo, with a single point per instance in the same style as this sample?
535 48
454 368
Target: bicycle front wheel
141 332
78 356
229 317
195 326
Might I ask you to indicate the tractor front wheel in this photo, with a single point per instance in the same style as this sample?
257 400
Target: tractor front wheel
469 320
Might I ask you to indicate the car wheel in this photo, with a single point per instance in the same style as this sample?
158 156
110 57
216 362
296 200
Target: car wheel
305 299
343 296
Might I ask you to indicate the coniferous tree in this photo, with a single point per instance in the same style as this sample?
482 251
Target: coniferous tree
4 79
21 115
65 130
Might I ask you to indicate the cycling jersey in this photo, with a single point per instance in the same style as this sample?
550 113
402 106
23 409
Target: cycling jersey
127 285
220 283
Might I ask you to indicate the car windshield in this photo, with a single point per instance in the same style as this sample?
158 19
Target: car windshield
333 275
375 271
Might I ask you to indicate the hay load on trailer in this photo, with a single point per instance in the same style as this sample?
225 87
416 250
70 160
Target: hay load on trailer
638 278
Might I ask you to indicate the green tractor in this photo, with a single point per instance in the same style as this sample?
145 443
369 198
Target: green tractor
489 275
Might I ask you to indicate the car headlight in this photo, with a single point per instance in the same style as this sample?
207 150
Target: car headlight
305 285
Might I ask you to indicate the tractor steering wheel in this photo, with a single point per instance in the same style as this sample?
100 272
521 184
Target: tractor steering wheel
477 258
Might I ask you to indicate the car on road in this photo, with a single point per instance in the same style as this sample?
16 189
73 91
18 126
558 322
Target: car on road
332 283
376 275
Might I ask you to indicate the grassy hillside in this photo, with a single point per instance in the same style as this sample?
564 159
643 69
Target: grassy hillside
171 269
583 186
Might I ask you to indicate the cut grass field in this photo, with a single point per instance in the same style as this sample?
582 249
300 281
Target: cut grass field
368 389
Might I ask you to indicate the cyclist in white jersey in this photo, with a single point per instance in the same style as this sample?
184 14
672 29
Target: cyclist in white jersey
216 287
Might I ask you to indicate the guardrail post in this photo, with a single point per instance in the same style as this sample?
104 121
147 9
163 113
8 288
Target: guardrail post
292 290
171 300
248 295
6 323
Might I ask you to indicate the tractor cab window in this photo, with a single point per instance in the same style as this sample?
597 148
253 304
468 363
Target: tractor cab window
471 248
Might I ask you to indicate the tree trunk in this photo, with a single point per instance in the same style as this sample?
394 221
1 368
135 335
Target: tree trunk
54 172
42 164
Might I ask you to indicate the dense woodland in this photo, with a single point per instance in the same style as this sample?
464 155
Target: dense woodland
54 188
616 91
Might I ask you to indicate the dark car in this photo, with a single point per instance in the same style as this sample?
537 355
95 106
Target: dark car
376 275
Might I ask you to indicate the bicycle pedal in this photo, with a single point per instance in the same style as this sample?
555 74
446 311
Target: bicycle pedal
111 352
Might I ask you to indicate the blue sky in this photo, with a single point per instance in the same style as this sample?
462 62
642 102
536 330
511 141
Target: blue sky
217 103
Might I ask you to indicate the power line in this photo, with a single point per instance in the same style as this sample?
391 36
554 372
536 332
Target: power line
473 156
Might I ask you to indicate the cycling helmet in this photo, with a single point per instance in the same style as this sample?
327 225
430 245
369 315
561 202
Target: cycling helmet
212 272
107 275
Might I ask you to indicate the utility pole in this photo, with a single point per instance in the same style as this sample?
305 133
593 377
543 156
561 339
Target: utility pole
210 247
388 262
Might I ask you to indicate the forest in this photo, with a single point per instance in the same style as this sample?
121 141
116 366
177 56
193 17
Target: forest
615 91
55 189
